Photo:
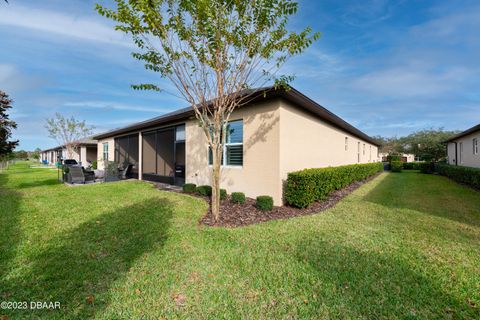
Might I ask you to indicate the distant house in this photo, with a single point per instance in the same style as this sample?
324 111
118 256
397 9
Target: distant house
277 132
405 157
85 154
463 148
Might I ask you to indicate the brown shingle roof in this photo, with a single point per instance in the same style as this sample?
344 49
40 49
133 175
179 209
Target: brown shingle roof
260 94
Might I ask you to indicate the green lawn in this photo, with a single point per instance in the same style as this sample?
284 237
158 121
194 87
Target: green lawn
405 245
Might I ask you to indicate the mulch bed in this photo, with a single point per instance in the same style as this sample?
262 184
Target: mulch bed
238 215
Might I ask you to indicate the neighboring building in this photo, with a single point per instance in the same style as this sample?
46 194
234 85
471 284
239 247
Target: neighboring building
463 148
85 154
405 157
277 132
51 156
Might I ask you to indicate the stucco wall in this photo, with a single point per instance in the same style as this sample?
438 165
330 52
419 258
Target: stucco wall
451 153
467 158
111 152
309 142
259 174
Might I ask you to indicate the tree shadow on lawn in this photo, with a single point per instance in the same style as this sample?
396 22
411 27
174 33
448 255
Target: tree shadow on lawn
10 232
375 285
39 183
78 268
430 194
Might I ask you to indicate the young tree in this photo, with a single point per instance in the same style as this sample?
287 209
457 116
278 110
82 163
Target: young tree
36 154
6 126
68 132
212 51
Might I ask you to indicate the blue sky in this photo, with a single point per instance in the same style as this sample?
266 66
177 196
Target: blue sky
387 67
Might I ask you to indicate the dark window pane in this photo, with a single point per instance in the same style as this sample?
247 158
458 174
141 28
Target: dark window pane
235 132
235 155
210 156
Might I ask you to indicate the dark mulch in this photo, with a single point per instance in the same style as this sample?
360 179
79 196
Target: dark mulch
237 215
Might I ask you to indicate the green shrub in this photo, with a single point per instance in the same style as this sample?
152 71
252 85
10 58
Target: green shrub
189 187
264 203
307 186
465 175
396 166
393 157
238 197
94 165
426 167
223 194
410 166
204 191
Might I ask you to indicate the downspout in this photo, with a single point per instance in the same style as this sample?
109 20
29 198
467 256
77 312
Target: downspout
456 154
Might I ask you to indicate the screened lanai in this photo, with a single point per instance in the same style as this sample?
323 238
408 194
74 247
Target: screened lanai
163 155
126 152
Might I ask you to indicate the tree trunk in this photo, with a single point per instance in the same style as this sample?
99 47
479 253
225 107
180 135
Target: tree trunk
217 158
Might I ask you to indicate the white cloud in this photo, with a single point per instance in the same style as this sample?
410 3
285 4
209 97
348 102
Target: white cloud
115 106
410 81
46 21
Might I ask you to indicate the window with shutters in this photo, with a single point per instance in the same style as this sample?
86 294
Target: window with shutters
233 148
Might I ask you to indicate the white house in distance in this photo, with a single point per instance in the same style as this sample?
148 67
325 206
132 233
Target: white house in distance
277 132
405 157
463 148
85 154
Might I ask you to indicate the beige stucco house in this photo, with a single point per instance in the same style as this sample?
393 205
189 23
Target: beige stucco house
277 132
85 153
463 149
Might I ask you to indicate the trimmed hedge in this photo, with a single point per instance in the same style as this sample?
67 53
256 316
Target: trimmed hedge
264 203
189 187
396 166
411 166
427 167
393 157
307 186
223 194
466 175
238 197
204 190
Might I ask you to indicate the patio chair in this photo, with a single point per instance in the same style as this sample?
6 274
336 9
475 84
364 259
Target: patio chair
76 175
89 175
125 172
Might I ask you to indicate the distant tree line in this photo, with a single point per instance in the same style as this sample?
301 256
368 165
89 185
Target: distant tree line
428 145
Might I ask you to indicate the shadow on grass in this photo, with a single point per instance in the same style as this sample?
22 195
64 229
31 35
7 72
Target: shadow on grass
39 183
79 268
371 285
429 194
10 233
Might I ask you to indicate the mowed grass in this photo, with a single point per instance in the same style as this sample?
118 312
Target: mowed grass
403 246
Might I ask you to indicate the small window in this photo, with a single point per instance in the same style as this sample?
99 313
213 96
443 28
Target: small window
233 148
180 133
475 146
105 151
364 149
346 143
358 152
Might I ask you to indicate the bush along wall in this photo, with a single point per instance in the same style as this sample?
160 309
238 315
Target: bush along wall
466 175
307 186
